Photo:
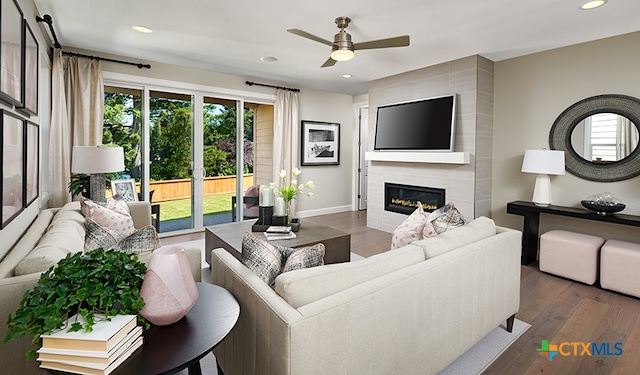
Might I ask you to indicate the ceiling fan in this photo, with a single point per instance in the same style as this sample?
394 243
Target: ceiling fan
342 47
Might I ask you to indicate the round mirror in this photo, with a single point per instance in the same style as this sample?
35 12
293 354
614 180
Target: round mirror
604 138
599 136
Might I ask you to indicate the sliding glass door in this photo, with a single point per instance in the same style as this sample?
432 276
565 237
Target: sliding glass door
191 154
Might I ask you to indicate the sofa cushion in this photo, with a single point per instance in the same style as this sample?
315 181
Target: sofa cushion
480 228
410 229
27 242
268 261
301 287
113 214
63 237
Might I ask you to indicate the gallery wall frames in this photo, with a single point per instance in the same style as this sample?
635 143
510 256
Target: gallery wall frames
11 53
320 143
30 55
32 163
12 190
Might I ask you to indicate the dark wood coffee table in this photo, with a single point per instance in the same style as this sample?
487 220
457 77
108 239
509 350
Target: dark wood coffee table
172 348
229 236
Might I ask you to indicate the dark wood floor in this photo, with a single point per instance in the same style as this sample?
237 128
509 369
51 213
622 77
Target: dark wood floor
558 310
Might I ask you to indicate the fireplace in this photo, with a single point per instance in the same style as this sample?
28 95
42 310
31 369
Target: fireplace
404 198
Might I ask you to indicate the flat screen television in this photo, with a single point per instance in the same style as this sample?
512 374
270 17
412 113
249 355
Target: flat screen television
421 125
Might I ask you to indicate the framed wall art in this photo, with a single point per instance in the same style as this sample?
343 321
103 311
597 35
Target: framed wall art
125 188
320 143
29 72
11 52
32 168
12 189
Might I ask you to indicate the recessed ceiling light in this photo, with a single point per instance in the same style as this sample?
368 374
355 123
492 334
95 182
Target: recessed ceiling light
142 29
347 76
268 59
592 4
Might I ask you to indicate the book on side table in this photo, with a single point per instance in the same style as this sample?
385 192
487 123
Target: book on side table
98 352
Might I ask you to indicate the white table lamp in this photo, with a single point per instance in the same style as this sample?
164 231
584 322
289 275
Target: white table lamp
544 163
96 161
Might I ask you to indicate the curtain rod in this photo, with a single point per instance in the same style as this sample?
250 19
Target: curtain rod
49 21
139 65
275 87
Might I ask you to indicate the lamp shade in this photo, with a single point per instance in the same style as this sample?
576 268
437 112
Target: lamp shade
97 159
543 162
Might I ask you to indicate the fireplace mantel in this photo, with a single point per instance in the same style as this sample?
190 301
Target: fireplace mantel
419 157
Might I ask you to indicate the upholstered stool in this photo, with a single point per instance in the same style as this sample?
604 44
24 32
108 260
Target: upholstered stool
619 266
571 255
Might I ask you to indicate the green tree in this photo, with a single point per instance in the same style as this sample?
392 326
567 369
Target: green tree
122 128
170 139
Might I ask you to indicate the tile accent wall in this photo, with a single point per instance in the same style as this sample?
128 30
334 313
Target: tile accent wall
468 186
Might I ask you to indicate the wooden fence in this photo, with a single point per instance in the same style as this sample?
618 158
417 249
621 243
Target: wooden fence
180 189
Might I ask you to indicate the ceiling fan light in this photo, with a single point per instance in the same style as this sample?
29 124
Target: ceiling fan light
342 55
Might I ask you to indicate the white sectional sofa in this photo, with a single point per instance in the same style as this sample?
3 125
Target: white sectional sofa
411 310
54 233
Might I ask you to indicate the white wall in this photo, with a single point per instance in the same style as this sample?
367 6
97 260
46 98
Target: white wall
530 93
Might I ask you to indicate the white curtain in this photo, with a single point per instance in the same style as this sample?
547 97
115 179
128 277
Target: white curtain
285 136
76 117
285 132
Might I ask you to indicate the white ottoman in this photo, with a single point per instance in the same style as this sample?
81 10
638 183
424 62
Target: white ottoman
571 255
620 266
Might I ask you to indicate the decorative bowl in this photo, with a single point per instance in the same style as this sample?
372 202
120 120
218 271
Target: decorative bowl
602 208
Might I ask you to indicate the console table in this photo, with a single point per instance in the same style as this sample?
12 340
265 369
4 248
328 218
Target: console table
531 214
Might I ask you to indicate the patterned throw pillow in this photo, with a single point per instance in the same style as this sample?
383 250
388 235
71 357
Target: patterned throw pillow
302 257
112 214
143 240
411 228
268 261
445 218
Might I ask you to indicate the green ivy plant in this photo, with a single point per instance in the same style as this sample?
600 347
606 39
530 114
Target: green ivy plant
98 281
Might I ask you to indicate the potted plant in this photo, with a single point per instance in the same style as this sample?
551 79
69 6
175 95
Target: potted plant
98 281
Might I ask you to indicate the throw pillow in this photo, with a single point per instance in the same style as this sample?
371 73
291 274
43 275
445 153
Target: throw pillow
253 191
411 228
268 261
262 258
302 257
113 214
446 218
143 240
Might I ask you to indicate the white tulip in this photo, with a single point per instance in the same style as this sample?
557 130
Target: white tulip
295 172
309 185
283 174
310 194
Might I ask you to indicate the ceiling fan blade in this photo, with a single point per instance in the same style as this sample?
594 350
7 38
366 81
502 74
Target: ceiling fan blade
305 34
398 41
328 63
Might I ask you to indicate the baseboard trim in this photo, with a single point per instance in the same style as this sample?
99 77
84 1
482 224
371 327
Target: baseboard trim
324 211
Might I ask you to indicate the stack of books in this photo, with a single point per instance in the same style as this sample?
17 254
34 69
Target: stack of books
274 233
98 352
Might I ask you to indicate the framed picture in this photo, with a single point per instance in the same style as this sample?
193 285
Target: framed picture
125 188
32 169
320 143
13 165
11 52
29 72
